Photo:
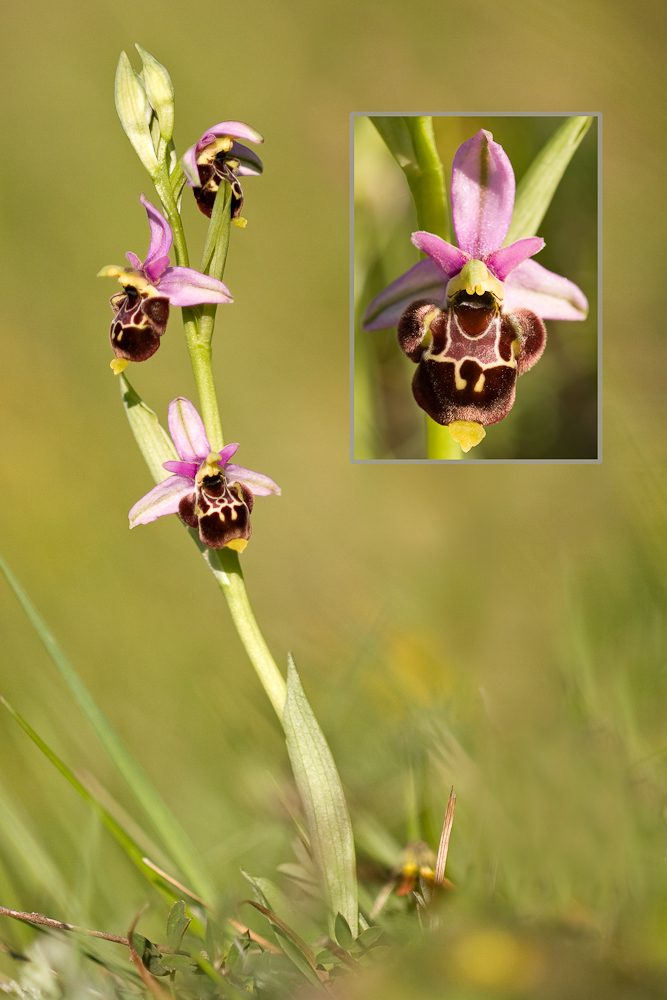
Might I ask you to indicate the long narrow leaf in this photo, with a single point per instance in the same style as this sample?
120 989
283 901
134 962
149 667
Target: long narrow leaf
154 442
323 800
165 823
131 849
538 185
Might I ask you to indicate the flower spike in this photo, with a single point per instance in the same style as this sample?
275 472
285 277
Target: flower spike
206 490
141 310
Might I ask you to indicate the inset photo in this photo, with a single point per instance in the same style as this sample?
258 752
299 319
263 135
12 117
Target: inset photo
476 282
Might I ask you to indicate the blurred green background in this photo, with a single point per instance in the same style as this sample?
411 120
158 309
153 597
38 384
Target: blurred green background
497 628
555 415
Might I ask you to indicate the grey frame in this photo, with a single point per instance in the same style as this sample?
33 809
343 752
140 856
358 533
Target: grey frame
477 461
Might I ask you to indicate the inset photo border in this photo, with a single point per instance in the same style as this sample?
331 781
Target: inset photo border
475 288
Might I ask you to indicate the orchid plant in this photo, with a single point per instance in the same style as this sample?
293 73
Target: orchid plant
470 316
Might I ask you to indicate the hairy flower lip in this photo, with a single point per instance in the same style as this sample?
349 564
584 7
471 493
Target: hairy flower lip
481 216
186 492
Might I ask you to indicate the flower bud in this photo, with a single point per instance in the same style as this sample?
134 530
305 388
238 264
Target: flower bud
160 91
134 111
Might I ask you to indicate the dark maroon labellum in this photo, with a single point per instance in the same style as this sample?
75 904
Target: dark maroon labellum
140 320
221 512
469 356
211 175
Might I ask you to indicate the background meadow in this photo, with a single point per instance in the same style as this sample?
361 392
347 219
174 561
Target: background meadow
496 628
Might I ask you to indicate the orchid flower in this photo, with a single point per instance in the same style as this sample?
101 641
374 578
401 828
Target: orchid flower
141 310
218 157
471 316
206 490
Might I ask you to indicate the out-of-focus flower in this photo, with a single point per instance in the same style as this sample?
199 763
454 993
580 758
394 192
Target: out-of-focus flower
141 310
206 490
219 157
471 316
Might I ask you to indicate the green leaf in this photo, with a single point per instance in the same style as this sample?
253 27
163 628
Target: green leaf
180 848
323 800
154 443
177 963
398 140
126 842
177 924
342 931
538 185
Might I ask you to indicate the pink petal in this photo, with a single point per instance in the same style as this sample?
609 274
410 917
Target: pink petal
234 129
483 189
163 499
250 164
501 262
423 281
156 269
257 483
134 261
161 237
187 431
549 295
228 452
189 164
186 287
186 469
450 259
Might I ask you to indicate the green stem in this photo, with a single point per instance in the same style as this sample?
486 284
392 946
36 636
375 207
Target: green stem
226 568
201 360
163 188
439 442
224 564
427 180
427 184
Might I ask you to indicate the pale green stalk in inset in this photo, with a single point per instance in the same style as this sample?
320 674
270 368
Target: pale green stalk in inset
412 143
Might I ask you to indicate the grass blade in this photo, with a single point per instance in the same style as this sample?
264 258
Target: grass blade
538 185
323 800
179 847
126 842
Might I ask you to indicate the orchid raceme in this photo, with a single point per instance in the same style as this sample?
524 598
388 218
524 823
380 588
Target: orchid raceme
141 310
470 316
218 157
206 490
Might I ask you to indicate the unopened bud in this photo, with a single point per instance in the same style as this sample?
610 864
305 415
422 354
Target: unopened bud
134 111
160 91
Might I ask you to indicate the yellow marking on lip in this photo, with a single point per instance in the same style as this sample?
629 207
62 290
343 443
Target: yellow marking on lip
479 384
460 383
467 433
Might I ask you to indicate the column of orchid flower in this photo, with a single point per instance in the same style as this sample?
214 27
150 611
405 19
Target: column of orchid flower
212 495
